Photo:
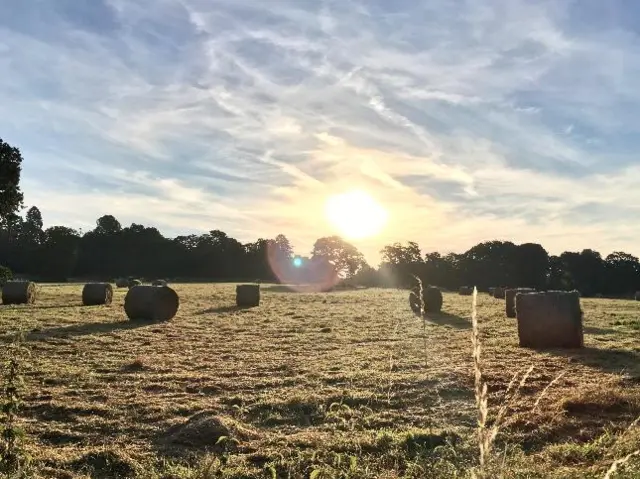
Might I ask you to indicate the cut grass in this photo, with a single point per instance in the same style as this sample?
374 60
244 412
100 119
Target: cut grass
305 383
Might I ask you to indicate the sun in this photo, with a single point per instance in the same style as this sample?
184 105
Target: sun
355 214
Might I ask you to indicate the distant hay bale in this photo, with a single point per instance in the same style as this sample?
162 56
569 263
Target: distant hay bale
159 282
94 294
247 295
19 292
431 299
122 283
133 282
550 320
498 293
151 303
510 297
466 291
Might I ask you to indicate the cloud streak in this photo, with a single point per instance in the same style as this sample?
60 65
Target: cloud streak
468 122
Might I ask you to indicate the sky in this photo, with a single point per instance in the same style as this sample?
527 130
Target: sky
467 120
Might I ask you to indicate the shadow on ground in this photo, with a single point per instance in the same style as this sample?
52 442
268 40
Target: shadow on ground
57 306
599 331
223 309
280 288
446 319
609 360
85 329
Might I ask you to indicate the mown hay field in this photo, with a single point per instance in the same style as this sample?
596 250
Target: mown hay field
346 384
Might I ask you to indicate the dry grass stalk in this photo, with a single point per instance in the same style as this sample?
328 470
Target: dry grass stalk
480 386
546 389
620 462
487 436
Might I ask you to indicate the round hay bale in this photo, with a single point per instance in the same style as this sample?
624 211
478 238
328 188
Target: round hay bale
465 291
510 298
247 295
151 303
94 294
498 293
550 320
122 283
133 282
159 282
431 299
19 292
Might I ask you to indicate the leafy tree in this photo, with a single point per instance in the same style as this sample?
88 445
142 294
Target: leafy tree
490 264
343 255
5 275
586 271
108 225
531 263
622 273
403 263
10 168
59 252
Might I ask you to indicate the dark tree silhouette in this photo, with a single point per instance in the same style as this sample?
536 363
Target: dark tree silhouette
10 195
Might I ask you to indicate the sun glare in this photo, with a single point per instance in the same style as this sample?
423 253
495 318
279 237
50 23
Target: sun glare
355 214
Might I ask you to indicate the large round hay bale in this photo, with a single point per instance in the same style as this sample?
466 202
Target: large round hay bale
498 293
133 282
19 292
431 299
510 298
122 283
550 320
94 294
151 303
465 291
159 282
247 295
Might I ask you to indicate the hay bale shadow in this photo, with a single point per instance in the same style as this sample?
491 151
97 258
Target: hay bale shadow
84 329
608 360
598 331
224 309
448 319
57 306
280 288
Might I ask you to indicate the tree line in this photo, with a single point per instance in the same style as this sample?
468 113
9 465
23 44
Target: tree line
111 250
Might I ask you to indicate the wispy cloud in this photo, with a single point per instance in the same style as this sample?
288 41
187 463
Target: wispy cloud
467 120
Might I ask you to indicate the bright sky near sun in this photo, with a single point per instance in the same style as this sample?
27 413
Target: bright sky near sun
459 121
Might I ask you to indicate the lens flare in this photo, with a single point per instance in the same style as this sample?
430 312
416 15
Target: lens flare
302 274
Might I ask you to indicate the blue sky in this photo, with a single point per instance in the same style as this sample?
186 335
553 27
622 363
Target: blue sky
467 120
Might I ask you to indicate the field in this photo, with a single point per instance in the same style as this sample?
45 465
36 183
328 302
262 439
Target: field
344 384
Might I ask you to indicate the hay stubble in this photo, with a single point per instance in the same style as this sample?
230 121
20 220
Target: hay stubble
304 373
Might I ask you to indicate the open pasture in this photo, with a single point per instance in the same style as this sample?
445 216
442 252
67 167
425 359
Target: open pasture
343 384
